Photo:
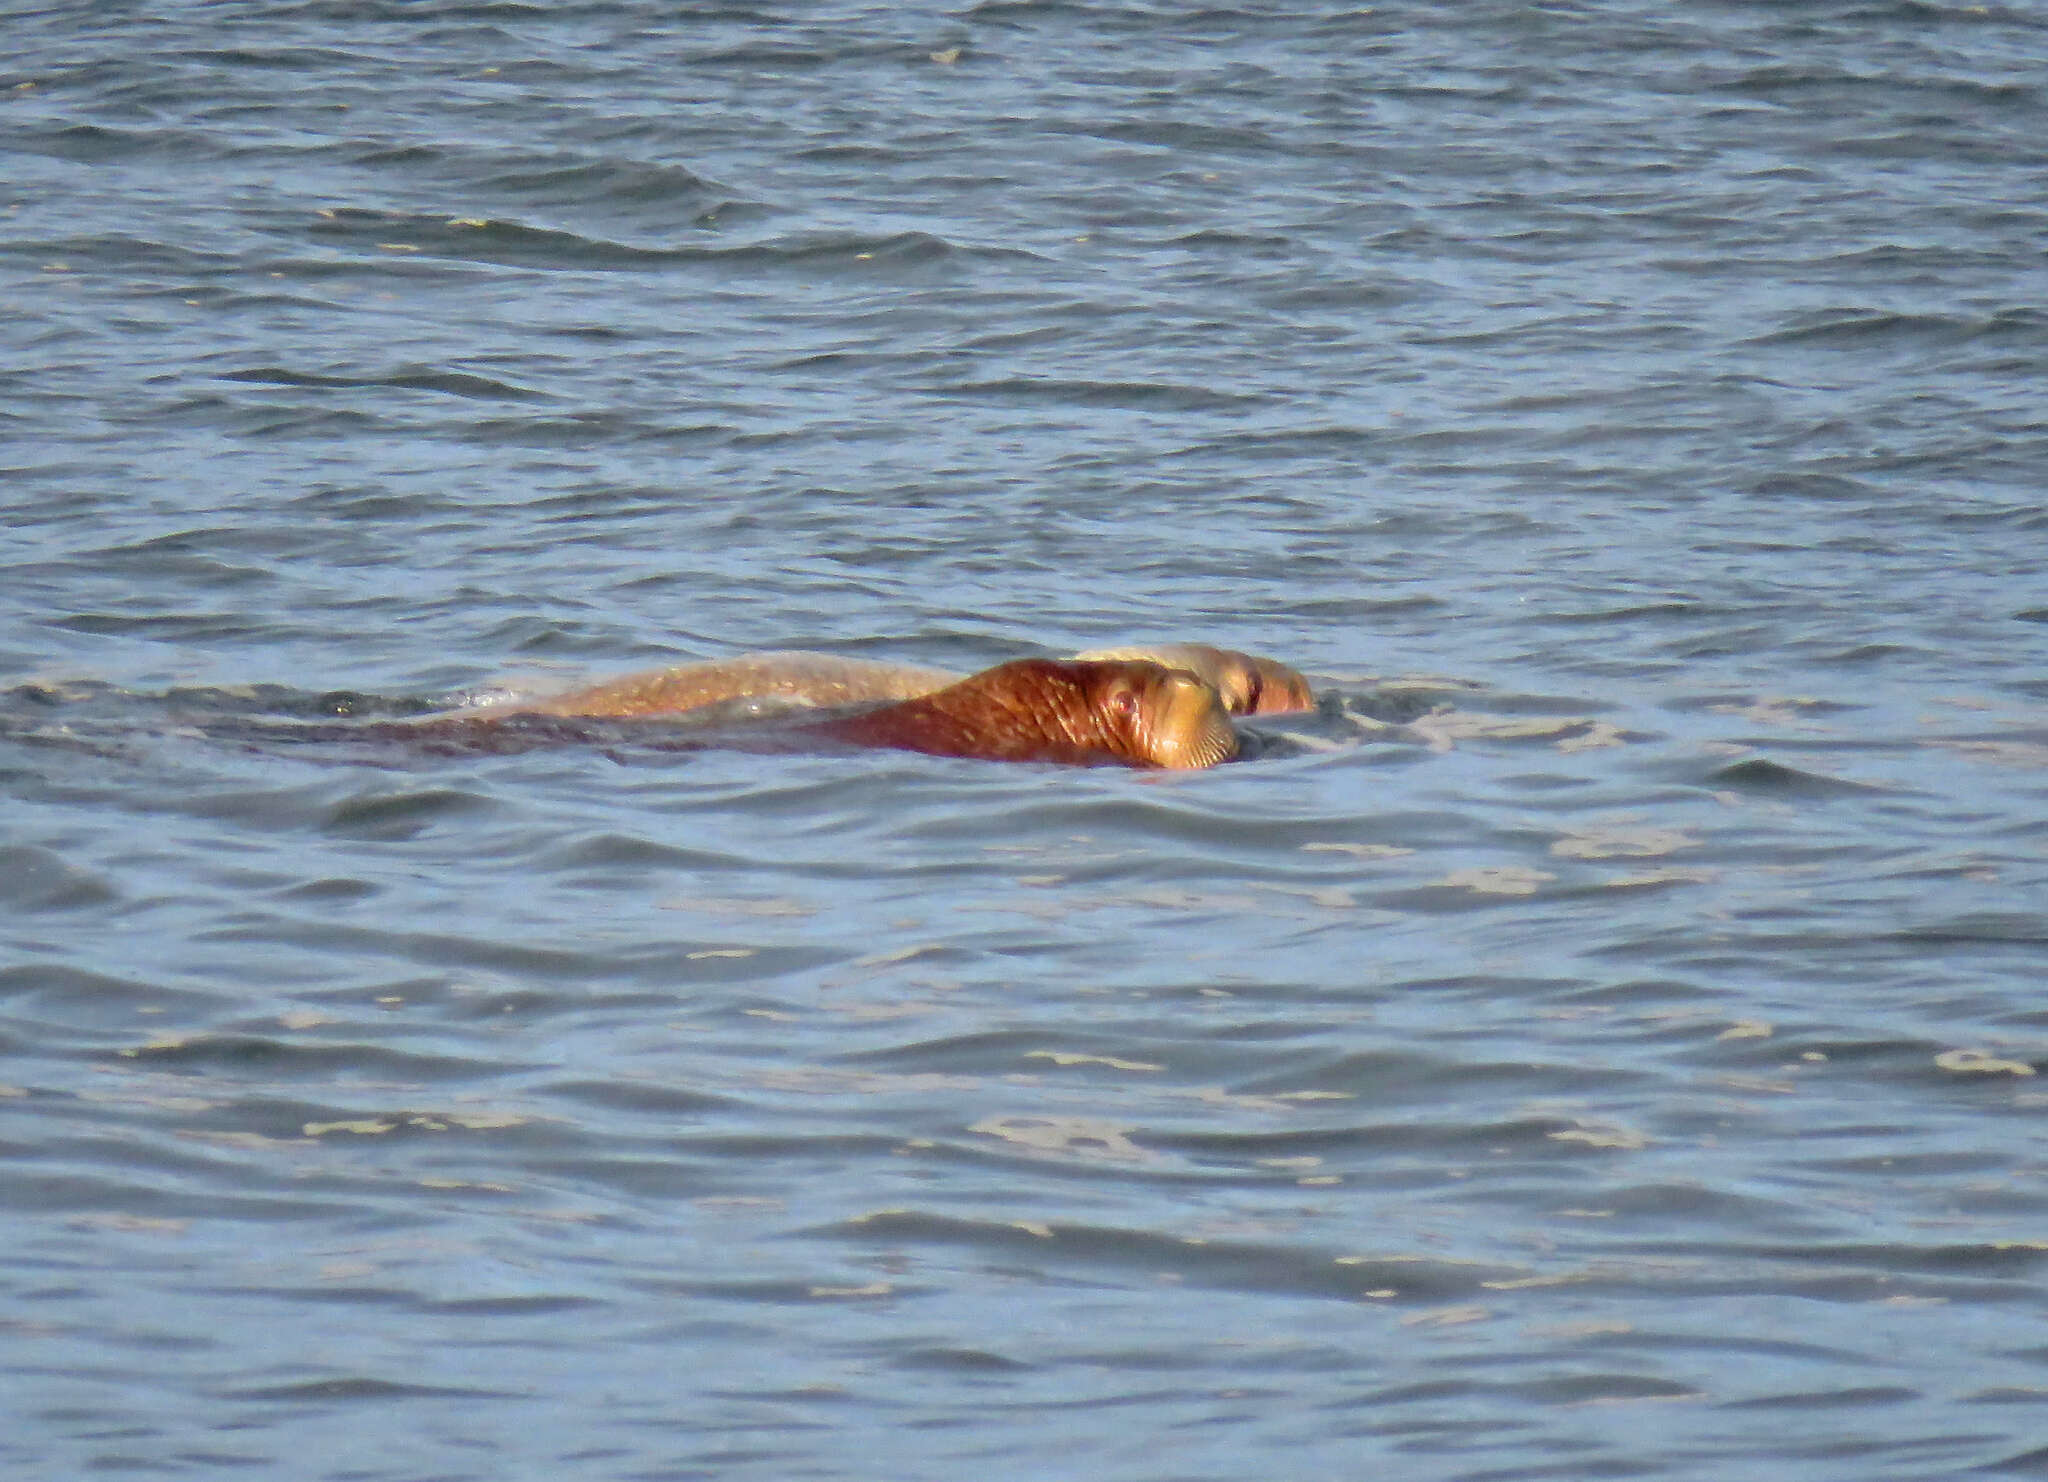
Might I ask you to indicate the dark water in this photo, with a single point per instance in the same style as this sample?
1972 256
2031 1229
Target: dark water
1602 1044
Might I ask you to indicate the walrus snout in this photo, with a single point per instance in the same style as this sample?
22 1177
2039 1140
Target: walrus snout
1191 726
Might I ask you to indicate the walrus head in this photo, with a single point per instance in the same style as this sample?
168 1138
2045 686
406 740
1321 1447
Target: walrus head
1127 712
1248 683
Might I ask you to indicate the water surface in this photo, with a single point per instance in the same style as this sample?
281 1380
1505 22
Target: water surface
1603 1042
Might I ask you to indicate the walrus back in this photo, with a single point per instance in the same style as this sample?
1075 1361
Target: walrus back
824 680
1028 710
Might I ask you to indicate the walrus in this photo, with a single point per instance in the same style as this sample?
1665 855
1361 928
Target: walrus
1069 712
1247 683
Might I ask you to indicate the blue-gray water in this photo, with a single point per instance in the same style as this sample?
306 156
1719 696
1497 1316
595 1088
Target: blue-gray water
1621 1066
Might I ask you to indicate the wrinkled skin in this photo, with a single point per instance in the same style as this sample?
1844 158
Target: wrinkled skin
1071 712
1249 685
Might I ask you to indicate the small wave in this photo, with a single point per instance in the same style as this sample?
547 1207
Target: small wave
1817 486
453 383
1800 84
263 419
1188 137
592 182
514 244
1759 775
283 1061
96 144
412 13
179 627
1155 396
117 252
1231 1265
1860 329
357 1388
402 815
1638 613
38 879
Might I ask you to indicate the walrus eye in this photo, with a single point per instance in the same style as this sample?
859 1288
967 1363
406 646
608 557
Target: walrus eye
1123 704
